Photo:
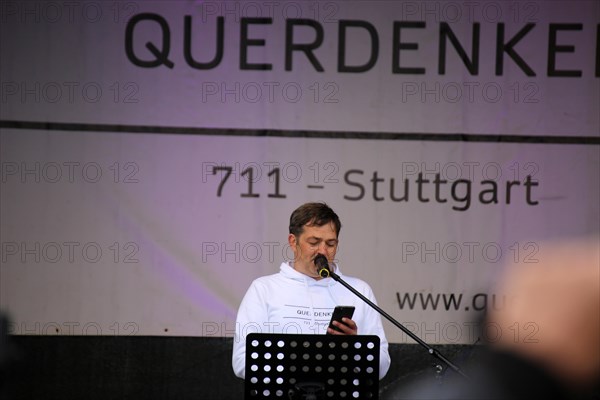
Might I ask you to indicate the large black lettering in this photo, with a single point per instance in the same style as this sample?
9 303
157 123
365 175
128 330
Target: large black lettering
342 66
507 48
528 184
375 181
245 43
358 185
187 45
307 48
466 198
554 48
161 57
472 64
493 193
598 51
397 45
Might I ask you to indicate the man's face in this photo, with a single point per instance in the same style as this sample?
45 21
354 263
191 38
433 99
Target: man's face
312 241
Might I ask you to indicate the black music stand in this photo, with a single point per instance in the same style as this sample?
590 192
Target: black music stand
311 367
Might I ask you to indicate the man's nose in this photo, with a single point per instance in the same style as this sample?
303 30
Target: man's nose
323 248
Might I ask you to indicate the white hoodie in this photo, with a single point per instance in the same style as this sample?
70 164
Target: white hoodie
291 302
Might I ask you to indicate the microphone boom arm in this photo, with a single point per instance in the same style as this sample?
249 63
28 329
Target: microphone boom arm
417 339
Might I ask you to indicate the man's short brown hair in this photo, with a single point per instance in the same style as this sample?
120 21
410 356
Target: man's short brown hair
313 214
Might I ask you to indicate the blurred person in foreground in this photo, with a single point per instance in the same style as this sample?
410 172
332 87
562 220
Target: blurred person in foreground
546 336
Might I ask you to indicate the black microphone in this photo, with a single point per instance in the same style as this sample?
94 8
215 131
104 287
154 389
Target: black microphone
322 265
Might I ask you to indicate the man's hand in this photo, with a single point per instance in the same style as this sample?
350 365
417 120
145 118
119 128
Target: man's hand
348 327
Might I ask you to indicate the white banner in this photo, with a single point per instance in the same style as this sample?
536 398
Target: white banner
149 167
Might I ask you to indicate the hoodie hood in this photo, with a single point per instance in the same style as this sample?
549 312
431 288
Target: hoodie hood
288 271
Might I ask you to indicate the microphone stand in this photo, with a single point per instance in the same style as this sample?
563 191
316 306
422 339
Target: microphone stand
430 350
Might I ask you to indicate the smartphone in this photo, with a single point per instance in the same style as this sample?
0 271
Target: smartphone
340 312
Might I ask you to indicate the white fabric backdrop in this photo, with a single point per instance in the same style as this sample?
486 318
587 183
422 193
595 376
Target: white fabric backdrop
113 232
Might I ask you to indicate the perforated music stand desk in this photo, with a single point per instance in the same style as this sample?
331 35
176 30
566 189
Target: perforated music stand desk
284 366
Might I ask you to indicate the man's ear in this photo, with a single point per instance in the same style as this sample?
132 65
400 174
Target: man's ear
292 240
